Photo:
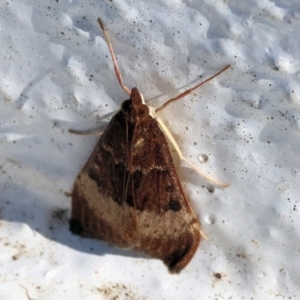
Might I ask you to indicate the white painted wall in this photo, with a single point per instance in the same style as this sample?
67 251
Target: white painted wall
56 74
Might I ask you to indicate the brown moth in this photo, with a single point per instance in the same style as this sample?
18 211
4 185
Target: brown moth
128 193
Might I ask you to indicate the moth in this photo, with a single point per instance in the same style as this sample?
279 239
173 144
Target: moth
128 193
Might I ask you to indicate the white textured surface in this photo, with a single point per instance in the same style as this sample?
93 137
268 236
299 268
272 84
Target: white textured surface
55 74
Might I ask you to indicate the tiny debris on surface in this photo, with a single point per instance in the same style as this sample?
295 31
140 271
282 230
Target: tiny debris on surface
243 127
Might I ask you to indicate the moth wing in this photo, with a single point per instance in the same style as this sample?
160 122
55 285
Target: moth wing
97 207
168 227
154 217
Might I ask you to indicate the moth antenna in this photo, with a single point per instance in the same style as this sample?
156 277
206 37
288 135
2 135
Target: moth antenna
116 67
170 137
190 90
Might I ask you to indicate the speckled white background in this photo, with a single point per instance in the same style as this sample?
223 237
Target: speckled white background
56 74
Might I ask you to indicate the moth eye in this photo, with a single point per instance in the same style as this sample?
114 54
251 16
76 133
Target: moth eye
125 106
143 111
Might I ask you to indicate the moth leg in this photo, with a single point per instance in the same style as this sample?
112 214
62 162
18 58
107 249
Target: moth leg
203 234
168 134
191 89
116 67
96 131
87 132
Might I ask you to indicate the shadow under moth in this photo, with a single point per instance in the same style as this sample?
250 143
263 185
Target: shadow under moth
128 193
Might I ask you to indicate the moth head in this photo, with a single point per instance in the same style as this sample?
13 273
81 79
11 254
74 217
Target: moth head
135 108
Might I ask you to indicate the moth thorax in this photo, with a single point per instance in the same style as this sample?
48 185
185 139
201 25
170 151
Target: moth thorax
134 113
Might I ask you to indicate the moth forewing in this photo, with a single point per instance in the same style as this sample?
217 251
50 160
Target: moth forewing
153 214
